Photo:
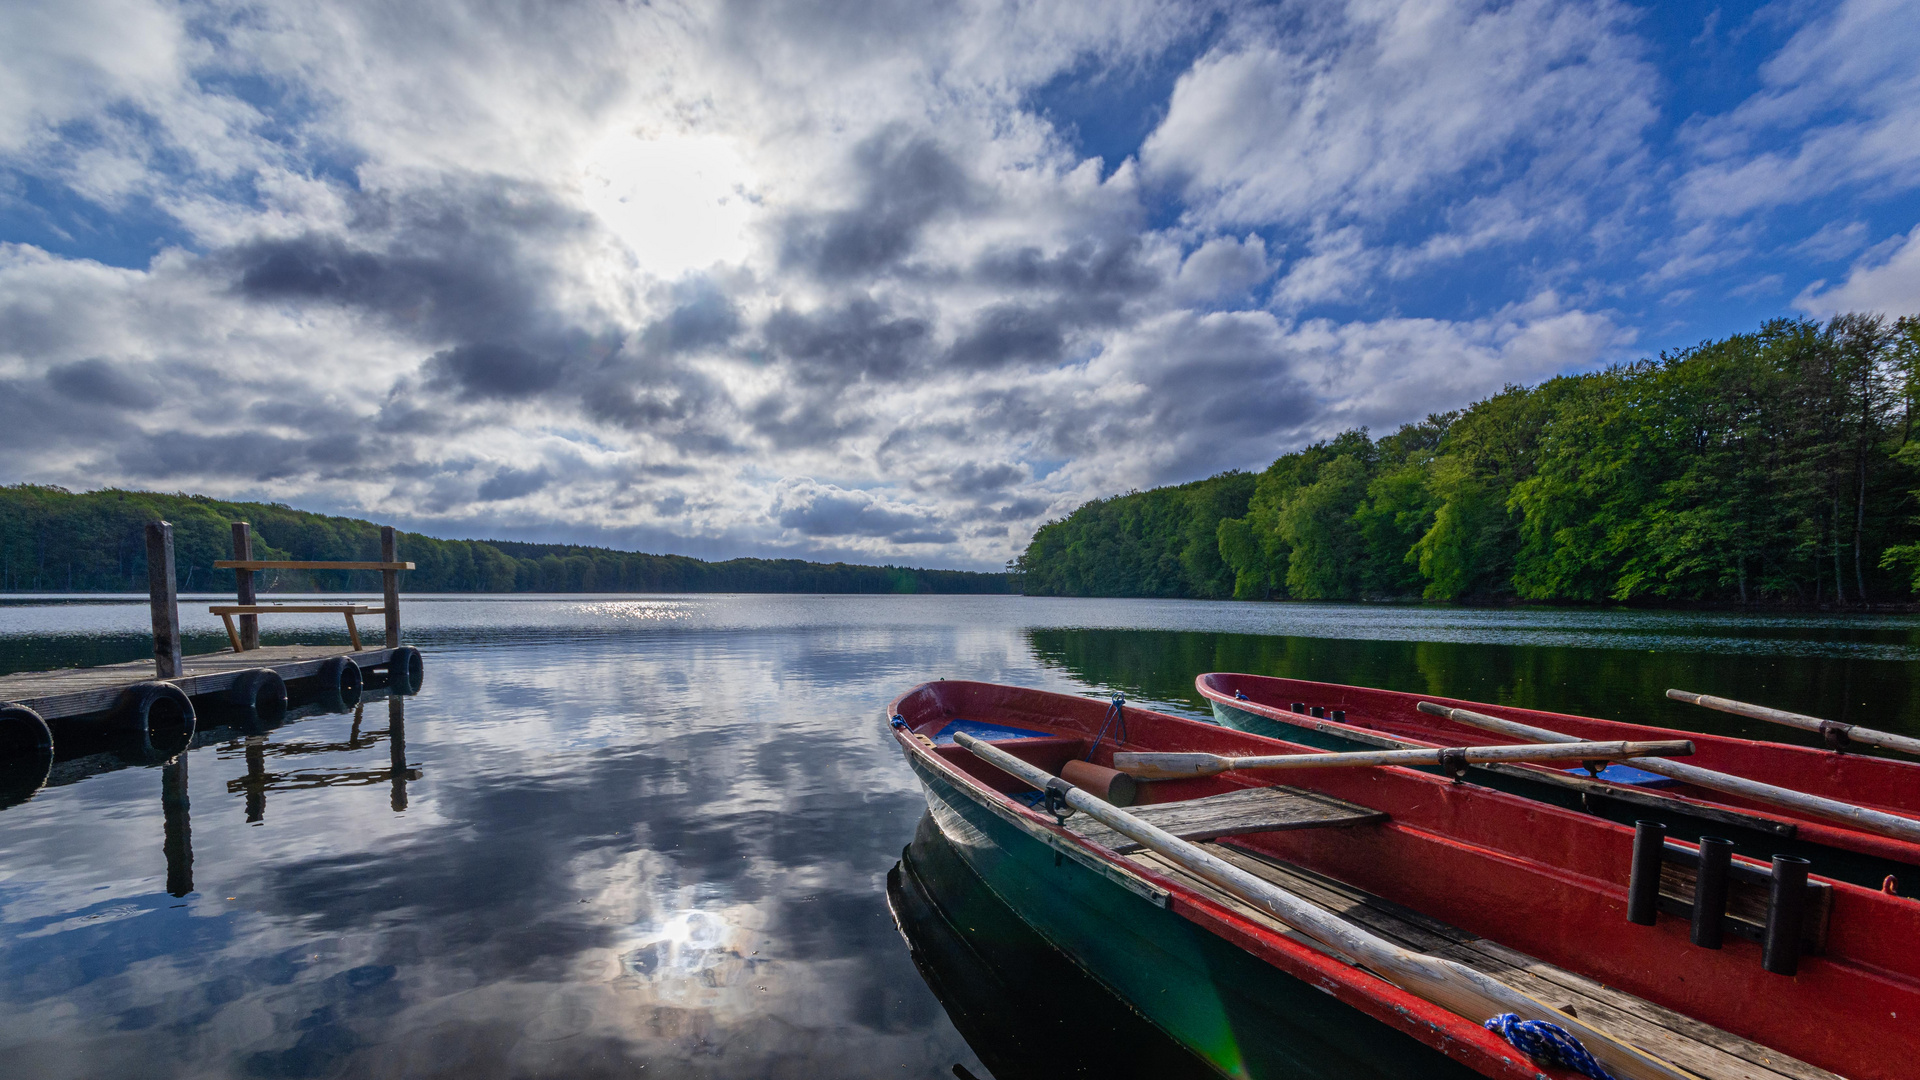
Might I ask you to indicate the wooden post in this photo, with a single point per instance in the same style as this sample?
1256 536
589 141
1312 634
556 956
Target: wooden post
164 599
243 587
391 579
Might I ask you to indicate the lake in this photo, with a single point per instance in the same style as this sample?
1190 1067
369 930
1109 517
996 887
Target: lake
658 835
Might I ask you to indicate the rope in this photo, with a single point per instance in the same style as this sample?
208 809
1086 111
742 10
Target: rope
1547 1044
1116 718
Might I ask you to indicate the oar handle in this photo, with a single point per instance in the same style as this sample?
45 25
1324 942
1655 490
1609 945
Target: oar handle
1837 733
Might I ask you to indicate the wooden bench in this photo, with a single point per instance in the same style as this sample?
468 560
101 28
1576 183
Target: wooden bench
247 635
228 611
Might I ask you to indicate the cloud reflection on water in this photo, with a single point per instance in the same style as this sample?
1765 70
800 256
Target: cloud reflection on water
616 831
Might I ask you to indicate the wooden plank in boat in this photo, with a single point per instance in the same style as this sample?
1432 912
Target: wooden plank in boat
1701 1048
1625 1013
1249 810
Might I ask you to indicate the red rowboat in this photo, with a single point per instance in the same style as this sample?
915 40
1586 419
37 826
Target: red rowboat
1333 716
1516 892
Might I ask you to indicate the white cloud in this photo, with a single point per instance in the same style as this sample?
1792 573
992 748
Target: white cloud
1372 105
1889 286
1844 92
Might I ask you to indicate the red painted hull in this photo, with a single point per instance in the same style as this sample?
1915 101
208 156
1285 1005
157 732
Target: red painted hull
1880 783
1546 881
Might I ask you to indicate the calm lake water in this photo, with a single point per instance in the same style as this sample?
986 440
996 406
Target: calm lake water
654 836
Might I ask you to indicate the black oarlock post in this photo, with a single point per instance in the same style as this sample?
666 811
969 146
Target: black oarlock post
1710 890
1339 716
1319 712
1299 706
1643 883
1786 911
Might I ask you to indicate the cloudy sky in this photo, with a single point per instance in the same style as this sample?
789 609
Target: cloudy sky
886 281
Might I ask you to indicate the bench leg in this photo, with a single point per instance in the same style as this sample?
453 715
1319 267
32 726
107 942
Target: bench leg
353 631
231 636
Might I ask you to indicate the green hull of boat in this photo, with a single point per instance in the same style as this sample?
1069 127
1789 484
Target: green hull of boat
1239 1014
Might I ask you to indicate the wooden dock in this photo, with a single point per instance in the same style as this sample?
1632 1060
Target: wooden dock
74 692
135 696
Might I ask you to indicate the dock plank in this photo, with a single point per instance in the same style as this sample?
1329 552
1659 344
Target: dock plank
81 691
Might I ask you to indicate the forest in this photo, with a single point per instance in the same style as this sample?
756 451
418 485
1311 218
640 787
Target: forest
52 539
1775 467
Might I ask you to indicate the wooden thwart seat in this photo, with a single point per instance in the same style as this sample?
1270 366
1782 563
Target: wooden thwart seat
1700 1048
228 611
1249 810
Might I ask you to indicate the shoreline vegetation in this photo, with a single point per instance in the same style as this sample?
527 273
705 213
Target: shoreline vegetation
54 540
1775 468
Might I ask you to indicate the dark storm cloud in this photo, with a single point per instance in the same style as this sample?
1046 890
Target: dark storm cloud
490 369
513 483
972 479
101 382
824 510
664 398
838 345
702 317
907 181
464 262
1085 286
1109 270
257 455
792 422
1022 509
1009 334
468 266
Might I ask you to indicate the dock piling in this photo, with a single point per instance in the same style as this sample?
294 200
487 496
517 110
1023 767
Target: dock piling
243 586
390 580
164 599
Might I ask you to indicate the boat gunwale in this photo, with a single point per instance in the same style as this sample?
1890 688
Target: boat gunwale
1811 829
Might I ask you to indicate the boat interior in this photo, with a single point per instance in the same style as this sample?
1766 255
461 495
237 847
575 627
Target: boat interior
1519 890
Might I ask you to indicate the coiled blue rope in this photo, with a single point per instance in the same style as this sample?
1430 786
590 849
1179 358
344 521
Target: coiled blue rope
1547 1044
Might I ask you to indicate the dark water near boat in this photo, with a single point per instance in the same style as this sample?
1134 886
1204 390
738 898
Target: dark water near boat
620 836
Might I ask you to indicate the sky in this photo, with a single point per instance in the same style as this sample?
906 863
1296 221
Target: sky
887 281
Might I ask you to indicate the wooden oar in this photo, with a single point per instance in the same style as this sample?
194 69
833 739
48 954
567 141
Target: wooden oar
1856 817
1173 766
1847 732
1447 983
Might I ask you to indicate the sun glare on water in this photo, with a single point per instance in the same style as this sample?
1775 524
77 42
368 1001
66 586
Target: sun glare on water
679 203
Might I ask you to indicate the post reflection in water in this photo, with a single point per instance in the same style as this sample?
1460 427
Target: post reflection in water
259 780
179 826
396 747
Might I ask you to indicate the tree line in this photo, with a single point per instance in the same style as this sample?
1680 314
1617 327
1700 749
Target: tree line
52 539
1777 466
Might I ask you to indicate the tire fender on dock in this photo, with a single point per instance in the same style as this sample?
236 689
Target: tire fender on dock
26 753
259 695
154 716
406 669
338 683
22 731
